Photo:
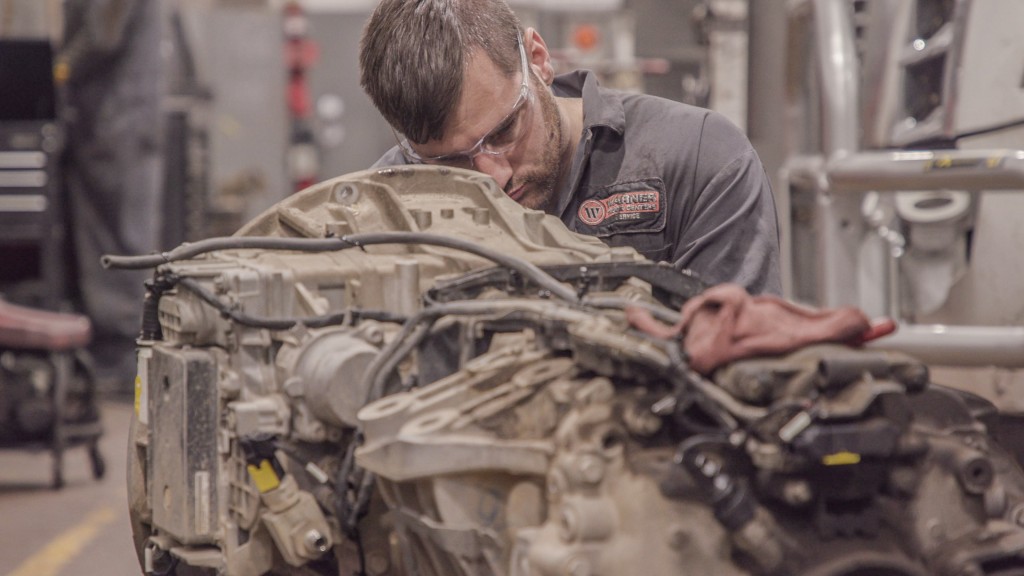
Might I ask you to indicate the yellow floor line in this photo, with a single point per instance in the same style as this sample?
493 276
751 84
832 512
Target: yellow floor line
64 548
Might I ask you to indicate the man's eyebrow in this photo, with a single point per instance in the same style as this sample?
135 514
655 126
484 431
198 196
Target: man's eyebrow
506 122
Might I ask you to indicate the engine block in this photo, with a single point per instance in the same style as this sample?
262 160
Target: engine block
402 371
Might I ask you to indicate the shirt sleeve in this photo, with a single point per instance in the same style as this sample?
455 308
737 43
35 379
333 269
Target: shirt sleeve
731 234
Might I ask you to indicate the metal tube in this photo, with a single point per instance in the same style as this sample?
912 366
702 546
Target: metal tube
766 84
928 170
407 286
838 223
837 70
942 345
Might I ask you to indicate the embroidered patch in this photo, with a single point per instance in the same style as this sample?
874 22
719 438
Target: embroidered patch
621 207
592 212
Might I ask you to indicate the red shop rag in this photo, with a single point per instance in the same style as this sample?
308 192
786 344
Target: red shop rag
725 323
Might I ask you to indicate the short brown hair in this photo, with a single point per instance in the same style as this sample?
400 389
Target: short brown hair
413 55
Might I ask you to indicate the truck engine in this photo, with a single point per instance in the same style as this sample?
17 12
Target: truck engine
402 371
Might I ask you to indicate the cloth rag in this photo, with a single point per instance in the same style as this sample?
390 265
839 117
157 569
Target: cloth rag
725 323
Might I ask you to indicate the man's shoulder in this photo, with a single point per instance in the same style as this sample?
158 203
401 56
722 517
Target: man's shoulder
681 131
672 115
641 108
711 135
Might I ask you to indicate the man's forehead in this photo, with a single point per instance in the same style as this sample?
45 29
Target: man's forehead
488 95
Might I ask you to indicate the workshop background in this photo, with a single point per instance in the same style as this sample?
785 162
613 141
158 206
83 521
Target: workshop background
892 131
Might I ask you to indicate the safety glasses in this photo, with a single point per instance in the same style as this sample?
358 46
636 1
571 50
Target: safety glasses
497 142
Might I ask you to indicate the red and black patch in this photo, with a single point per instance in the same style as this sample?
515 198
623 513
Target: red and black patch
632 206
636 206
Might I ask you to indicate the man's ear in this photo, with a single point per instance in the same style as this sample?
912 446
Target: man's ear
537 55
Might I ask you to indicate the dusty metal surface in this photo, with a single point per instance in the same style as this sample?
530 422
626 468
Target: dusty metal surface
404 372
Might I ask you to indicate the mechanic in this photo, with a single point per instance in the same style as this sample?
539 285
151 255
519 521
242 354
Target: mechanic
462 84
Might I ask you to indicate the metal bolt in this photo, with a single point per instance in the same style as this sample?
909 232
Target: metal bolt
795 426
316 543
346 194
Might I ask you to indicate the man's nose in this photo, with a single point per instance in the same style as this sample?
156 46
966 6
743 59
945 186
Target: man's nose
495 166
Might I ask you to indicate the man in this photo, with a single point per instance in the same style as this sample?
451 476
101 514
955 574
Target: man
462 84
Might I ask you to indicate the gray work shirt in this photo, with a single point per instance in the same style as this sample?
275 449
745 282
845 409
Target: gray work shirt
678 183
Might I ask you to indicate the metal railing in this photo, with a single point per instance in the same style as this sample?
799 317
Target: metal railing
972 170
841 174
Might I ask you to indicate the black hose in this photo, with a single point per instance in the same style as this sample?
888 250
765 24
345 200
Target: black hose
186 251
193 249
150 326
344 510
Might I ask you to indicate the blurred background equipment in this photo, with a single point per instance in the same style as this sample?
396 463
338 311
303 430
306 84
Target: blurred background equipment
110 68
32 231
900 193
47 390
302 155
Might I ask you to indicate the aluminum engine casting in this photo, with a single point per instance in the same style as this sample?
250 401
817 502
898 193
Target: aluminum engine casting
401 371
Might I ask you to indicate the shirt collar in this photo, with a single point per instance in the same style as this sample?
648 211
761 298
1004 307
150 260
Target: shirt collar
600 107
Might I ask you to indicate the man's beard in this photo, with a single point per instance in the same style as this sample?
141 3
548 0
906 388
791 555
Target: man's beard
541 183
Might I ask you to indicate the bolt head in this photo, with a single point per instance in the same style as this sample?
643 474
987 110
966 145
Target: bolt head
316 543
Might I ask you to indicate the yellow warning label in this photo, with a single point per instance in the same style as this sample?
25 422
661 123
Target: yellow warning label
138 394
841 459
264 476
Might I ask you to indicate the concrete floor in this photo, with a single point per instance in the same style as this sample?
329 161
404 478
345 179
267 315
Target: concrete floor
80 530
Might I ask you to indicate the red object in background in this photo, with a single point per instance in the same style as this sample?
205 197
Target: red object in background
26 328
586 37
300 53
